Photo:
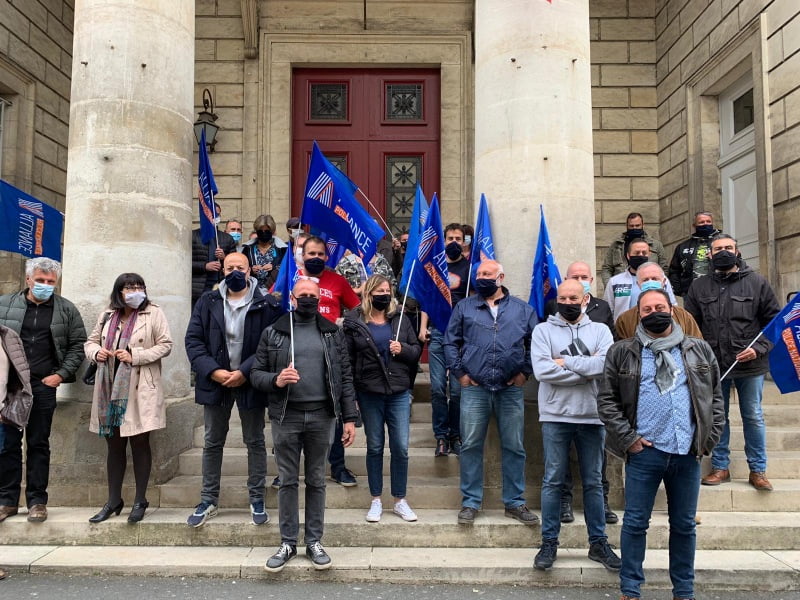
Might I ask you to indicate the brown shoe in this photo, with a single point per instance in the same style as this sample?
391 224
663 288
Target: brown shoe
716 477
37 513
760 481
697 519
7 511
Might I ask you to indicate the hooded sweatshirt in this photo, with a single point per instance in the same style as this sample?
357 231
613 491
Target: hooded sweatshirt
568 394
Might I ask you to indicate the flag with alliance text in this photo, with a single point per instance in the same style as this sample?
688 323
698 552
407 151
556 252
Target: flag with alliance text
418 216
29 226
784 358
208 188
545 277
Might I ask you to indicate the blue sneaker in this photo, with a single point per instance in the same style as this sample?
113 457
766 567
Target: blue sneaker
202 513
345 478
259 513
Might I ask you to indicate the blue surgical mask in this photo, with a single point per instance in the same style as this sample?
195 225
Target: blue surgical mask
467 239
236 235
42 291
651 285
587 287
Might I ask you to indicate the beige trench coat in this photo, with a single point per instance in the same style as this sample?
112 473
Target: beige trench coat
149 343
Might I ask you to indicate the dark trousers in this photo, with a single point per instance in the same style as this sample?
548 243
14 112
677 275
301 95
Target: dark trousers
336 455
37 459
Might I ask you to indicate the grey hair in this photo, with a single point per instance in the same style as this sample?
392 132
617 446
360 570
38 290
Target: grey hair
41 263
648 265
703 213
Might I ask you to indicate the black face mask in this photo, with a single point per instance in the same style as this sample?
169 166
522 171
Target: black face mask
704 230
486 287
657 322
723 261
404 245
307 306
570 312
453 250
236 281
637 261
381 301
264 236
632 234
314 266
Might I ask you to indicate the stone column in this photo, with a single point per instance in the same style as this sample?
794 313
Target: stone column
129 178
533 129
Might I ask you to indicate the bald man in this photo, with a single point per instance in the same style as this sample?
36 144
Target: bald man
598 309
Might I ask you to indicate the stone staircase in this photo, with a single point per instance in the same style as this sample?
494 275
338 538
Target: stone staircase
747 540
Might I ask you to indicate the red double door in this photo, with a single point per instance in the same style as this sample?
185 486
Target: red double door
378 126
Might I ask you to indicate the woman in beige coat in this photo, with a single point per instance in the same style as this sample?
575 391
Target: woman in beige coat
127 344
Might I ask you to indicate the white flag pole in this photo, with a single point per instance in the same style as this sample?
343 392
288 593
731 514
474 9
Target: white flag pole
405 297
377 212
291 336
736 362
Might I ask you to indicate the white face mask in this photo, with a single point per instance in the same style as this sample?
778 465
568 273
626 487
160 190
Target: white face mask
298 256
295 233
135 299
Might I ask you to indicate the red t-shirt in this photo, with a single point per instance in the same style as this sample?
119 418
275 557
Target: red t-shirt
335 292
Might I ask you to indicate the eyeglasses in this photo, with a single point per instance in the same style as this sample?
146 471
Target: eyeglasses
134 288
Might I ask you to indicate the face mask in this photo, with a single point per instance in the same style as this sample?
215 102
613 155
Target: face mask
467 239
570 312
723 261
307 306
632 234
637 261
651 285
453 250
381 301
657 322
236 281
236 235
298 256
135 299
295 233
704 230
587 287
314 266
486 287
404 245
264 236
42 291
216 220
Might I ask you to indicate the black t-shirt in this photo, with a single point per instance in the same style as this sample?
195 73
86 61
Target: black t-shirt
37 339
459 272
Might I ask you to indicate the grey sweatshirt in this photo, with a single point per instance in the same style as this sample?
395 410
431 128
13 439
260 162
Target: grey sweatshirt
234 321
568 394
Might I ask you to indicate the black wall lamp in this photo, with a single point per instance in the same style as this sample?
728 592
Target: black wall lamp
206 121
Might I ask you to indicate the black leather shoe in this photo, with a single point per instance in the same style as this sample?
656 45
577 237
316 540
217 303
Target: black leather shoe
137 512
107 511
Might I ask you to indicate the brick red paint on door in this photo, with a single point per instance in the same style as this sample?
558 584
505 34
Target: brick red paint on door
380 126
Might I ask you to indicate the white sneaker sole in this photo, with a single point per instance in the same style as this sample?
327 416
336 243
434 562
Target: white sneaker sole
321 567
406 518
210 515
373 518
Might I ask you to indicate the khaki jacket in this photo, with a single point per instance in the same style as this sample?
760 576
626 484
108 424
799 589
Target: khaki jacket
149 343
627 322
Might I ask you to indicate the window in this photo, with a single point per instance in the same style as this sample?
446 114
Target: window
743 111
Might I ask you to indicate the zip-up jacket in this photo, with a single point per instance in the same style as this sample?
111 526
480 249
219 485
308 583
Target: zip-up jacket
683 268
17 399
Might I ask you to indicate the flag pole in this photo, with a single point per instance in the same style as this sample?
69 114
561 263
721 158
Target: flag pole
214 215
405 297
377 212
736 362
291 336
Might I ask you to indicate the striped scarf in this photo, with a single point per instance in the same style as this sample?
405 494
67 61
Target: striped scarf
114 384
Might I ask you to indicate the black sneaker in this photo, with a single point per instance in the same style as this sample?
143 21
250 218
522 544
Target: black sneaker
601 552
611 516
345 478
466 516
566 515
522 514
455 446
546 556
316 553
442 447
277 561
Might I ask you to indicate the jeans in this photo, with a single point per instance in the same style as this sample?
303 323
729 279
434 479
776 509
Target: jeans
394 412
643 474
37 460
566 489
589 442
755 431
445 415
477 406
309 433
216 420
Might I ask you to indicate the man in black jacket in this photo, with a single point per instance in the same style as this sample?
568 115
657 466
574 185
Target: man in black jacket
207 259
692 258
731 306
221 342
303 365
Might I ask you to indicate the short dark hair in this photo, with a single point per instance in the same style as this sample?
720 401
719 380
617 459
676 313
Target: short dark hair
725 236
314 239
454 227
636 241
117 300
661 291
634 215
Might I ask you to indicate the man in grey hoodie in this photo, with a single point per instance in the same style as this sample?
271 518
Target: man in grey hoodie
568 352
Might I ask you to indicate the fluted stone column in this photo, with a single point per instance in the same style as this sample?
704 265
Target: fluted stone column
129 176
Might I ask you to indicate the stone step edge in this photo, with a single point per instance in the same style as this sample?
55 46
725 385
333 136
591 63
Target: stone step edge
715 569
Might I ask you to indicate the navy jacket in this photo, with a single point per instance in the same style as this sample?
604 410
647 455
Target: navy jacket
207 350
490 352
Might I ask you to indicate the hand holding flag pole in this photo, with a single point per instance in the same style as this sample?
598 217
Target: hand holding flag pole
405 297
736 362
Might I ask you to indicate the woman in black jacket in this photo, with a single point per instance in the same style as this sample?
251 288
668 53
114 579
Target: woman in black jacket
383 365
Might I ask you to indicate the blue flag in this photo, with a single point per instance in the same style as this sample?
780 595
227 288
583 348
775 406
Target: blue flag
482 241
784 359
208 187
330 206
545 278
418 216
29 226
430 280
334 250
287 277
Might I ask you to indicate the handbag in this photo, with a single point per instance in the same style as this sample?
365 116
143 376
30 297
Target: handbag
91 370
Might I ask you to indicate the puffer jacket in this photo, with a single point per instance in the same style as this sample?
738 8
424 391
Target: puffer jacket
618 400
683 268
274 355
490 351
370 373
731 309
66 328
15 408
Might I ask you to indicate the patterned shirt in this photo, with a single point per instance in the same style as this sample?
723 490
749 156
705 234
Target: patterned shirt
351 268
666 420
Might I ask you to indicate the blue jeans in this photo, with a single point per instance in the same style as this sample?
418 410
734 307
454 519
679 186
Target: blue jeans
394 412
755 431
590 444
643 474
445 415
477 406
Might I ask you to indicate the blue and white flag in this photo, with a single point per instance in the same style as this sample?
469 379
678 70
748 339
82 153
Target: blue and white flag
430 280
208 188
334 250
482 241
330 206
29 226
287 277
545 277
418 216
784 358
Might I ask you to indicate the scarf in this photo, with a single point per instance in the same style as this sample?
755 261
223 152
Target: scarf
114 385
666 369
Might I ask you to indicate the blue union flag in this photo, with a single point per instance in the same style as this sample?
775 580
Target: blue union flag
784 358
29 226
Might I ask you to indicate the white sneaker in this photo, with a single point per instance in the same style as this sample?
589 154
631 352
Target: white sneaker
404 510
375 511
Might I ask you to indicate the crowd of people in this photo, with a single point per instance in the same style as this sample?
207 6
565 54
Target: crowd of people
634 375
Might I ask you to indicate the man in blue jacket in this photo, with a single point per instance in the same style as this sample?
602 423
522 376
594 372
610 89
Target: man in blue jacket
487 346
221 343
